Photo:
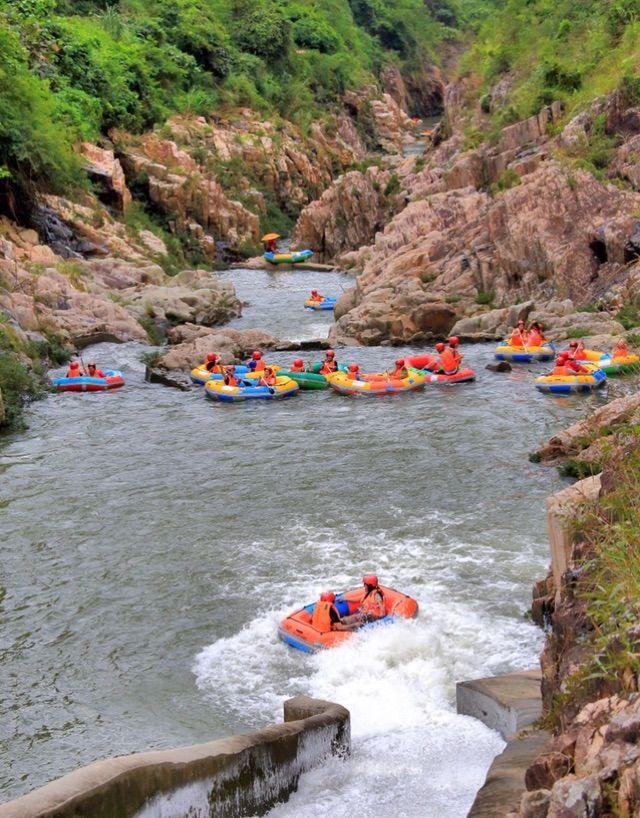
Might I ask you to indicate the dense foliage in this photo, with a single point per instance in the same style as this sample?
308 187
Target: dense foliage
549 50
72 69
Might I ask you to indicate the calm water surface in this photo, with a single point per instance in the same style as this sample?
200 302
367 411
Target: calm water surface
151 541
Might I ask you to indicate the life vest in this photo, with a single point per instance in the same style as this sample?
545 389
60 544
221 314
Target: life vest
621 350
295 368
98 373
267 380
321 619
328 367
400 372
317 297
372 604
535 339
73 373
230 380
260 365
354 375
575 368
516 339
213 367
448 362
456 354
561 370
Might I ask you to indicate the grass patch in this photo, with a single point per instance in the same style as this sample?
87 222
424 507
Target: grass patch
153 333
507 180
579 332
629 315
452 299
485 298
151 359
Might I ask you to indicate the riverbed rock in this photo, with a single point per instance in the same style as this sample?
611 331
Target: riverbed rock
535 804
191 343
573 797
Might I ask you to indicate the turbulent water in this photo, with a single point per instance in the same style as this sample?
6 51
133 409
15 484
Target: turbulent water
151 540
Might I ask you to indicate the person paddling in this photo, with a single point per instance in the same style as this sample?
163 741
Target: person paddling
316 297
620 350
256 364
298 365
536 337
449 361
74 370
354 372
229 376
325 614
94 372
454 346
519 335
401 371
268 378
370 609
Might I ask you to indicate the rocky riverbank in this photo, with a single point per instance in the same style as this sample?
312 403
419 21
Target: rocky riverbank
589 600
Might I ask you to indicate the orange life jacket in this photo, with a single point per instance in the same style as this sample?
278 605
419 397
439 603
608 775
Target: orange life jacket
317 297
295 368
517 338
267 380
260 365
321 619
456 354
73 373
213 367
535 339
328 367
373 604
230 380
400 372
354 374
562 370
621 350
448 361
97 373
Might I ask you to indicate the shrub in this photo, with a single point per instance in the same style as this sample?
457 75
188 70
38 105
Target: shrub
487 297
629 315
507 180
393 186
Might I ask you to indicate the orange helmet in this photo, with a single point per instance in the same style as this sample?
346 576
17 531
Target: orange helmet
74 365
440 347
370 579
257 355
330 353
327 596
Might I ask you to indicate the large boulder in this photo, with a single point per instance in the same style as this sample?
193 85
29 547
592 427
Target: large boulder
107 175
190 345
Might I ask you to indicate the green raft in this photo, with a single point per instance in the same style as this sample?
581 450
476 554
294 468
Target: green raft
311 379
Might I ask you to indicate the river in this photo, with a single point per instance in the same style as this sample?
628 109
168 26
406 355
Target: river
151 541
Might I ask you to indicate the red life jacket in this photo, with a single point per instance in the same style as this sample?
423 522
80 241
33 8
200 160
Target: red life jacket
517 339
449 362
295 368
230 380
328 367
400 372
321 619
97 373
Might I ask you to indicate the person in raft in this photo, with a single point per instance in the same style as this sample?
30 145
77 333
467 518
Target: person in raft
212 365
454 344
576 350
329 365
325 613
315 296
371 607
620 350
354 372
536 336
400 371
298 366
94 372
519 335
268 377
448 359
256 364
565 365
270 242
74 370
230 376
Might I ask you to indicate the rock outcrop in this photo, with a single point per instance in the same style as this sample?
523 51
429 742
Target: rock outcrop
189 345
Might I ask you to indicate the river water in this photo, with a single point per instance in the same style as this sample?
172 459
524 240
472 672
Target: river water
152 540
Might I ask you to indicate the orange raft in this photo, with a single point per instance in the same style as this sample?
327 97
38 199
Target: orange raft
297 631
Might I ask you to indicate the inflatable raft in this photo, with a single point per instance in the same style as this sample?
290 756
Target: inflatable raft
201 374
307 380
325 304
298 632
288 258
620 365
565 384
218 390
421 361
525 355
377 384
113 379
461 376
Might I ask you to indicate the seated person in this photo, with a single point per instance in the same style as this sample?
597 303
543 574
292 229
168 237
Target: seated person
325 613
401 370
518 336
229 376
329 365
212 365
94 372
354 372
536 337
449 360
256 364
268 378
298 366
565 365
620 350
371 607
455 351
74 370
315 296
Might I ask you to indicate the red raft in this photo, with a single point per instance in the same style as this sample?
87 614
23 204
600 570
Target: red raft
296 629
113 379
428 363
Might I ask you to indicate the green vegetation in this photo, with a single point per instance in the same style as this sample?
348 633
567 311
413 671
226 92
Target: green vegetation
629 315
567 51
486 298
506 181
579 332
73 69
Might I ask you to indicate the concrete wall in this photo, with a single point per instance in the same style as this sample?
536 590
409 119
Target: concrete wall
231 777
506 703
560 508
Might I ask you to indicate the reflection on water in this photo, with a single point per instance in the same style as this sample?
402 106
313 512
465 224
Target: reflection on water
152 540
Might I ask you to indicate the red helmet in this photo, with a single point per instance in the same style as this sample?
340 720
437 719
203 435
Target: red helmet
370 579
440 347
353 367
399 361
331 353
573 344
211 356
314 292
327 596
74 365
454 341
257 355
297 362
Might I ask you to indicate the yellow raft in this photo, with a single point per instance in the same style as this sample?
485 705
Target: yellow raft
201 374
377 384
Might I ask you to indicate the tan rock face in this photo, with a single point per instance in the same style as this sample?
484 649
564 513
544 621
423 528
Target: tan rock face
190 345
106 172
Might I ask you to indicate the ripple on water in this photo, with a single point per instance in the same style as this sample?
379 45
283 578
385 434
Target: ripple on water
151 538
